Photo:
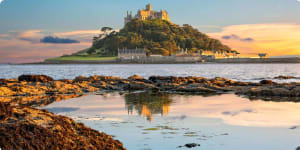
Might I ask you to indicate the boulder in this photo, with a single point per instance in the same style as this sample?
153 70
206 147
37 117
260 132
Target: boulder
136 77
269 82
295 92
35 78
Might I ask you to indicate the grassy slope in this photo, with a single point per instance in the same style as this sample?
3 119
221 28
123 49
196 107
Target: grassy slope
83 58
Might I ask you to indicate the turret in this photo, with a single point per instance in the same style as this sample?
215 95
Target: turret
149 7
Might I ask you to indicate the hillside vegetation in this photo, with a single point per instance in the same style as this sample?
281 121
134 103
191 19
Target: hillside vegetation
157 36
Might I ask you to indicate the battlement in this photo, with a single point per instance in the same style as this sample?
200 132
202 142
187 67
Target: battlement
147 14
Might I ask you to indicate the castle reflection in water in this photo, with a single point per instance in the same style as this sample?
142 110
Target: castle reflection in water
148 104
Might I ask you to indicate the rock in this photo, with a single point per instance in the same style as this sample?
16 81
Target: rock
35 78
136 77
5 91
295 92
282 77
238 83
137 85
81 79
285 77
195 89
269 82
167 86
298 148
139 78
281 92
190 145
24 127
109 78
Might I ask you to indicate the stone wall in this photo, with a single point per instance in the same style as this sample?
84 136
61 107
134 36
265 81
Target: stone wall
163 60
256 60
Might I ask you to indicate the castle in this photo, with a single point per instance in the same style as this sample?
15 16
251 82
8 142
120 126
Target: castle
147 14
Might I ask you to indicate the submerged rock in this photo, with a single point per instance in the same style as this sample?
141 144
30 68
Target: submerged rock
190 145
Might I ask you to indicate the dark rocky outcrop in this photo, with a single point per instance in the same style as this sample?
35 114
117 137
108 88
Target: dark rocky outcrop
35 78
24 127
270 82
190 145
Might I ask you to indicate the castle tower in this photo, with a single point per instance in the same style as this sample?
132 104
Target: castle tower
147 14
149 7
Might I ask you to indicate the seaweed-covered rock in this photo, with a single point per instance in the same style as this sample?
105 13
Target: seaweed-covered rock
24 127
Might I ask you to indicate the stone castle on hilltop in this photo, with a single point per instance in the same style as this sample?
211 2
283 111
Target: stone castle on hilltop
147 14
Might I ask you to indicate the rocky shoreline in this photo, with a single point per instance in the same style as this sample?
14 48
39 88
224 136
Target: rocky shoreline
40 85
24 127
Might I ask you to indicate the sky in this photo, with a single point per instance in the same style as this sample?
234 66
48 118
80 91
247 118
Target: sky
33 30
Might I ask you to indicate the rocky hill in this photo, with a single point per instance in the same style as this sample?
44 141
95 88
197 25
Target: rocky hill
157 36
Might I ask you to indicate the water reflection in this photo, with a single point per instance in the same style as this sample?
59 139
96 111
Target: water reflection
147 104
36 101
230 108
216 122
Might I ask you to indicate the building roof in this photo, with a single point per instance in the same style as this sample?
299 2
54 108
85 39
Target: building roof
132 50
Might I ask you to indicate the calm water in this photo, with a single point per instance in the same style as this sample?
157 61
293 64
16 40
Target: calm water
242 72
144 121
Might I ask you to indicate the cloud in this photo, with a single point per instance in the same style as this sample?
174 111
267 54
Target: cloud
274 39
235 37
1 1
57 40
32 36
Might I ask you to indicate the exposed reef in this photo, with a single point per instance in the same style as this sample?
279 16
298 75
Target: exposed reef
32 85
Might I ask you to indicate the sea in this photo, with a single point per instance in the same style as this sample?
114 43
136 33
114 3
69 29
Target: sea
239 72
